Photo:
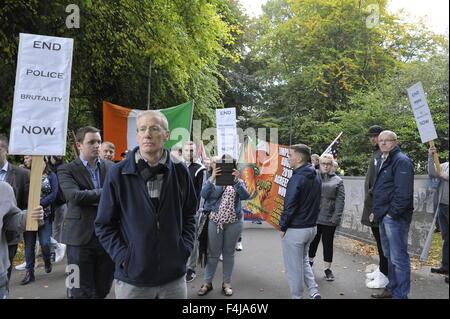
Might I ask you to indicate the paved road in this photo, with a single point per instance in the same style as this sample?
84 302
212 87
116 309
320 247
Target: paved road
259 274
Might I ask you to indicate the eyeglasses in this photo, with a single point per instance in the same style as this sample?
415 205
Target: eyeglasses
152 129
386 141
326 164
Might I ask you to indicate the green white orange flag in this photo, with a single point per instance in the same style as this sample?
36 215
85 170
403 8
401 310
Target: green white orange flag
119 125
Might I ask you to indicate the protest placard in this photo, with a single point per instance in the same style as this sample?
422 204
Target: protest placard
41 104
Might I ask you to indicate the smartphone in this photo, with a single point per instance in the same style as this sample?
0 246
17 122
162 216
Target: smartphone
225 178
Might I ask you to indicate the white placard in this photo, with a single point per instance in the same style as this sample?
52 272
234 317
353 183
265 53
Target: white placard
422 113
227 142
41 95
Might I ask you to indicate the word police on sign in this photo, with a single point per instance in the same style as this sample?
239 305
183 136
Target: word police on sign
41 96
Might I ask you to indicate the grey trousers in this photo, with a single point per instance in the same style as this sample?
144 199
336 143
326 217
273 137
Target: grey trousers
176 289
295 245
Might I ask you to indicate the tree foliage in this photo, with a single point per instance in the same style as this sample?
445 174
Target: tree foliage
327 68
184 40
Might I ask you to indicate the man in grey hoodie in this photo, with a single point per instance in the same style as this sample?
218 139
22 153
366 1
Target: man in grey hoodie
11 218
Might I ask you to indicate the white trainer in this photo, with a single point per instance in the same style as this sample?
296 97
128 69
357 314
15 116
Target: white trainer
373 275
21 266
24 264
380 281
60 252
239 246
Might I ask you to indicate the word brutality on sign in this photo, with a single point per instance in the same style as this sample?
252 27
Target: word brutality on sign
41 96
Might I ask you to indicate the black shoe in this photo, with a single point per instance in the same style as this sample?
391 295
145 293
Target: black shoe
439 270
386 294
190 275
48 267
446 280
329 275
311 263
52 256
29 277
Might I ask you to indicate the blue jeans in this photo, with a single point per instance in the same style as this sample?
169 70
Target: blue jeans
394 239
44 232
223 243
443 225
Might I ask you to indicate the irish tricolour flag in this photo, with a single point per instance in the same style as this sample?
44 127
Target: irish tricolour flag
119 125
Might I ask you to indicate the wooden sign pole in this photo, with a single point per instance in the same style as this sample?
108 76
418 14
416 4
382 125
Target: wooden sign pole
437 165
34 196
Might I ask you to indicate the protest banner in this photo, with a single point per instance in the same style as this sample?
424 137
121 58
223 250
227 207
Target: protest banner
265 174
41 104
119 124
227 139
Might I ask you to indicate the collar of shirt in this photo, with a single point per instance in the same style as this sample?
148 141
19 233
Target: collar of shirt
86 163
138 156
3 172
5 167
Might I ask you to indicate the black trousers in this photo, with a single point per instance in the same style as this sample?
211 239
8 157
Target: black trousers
327 235
383 259
12 250
96 270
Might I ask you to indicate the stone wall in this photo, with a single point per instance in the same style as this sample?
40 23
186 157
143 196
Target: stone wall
422 218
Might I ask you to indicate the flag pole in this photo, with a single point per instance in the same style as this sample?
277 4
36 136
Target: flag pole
329 146
149 83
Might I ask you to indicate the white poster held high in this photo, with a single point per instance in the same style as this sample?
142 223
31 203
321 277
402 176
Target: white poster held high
41 96
227 142
422 113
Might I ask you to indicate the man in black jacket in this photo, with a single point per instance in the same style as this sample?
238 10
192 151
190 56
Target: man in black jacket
299 219
197 173
19 179
81 182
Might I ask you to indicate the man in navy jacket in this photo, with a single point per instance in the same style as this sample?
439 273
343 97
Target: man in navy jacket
299 219
393 206
146 215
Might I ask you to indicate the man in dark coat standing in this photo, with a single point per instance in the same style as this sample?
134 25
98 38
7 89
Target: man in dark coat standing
393 206
379 276
197 173
19 179
146 216
81 182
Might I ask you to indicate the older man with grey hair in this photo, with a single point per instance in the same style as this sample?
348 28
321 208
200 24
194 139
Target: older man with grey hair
146 216
107 151
392 209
